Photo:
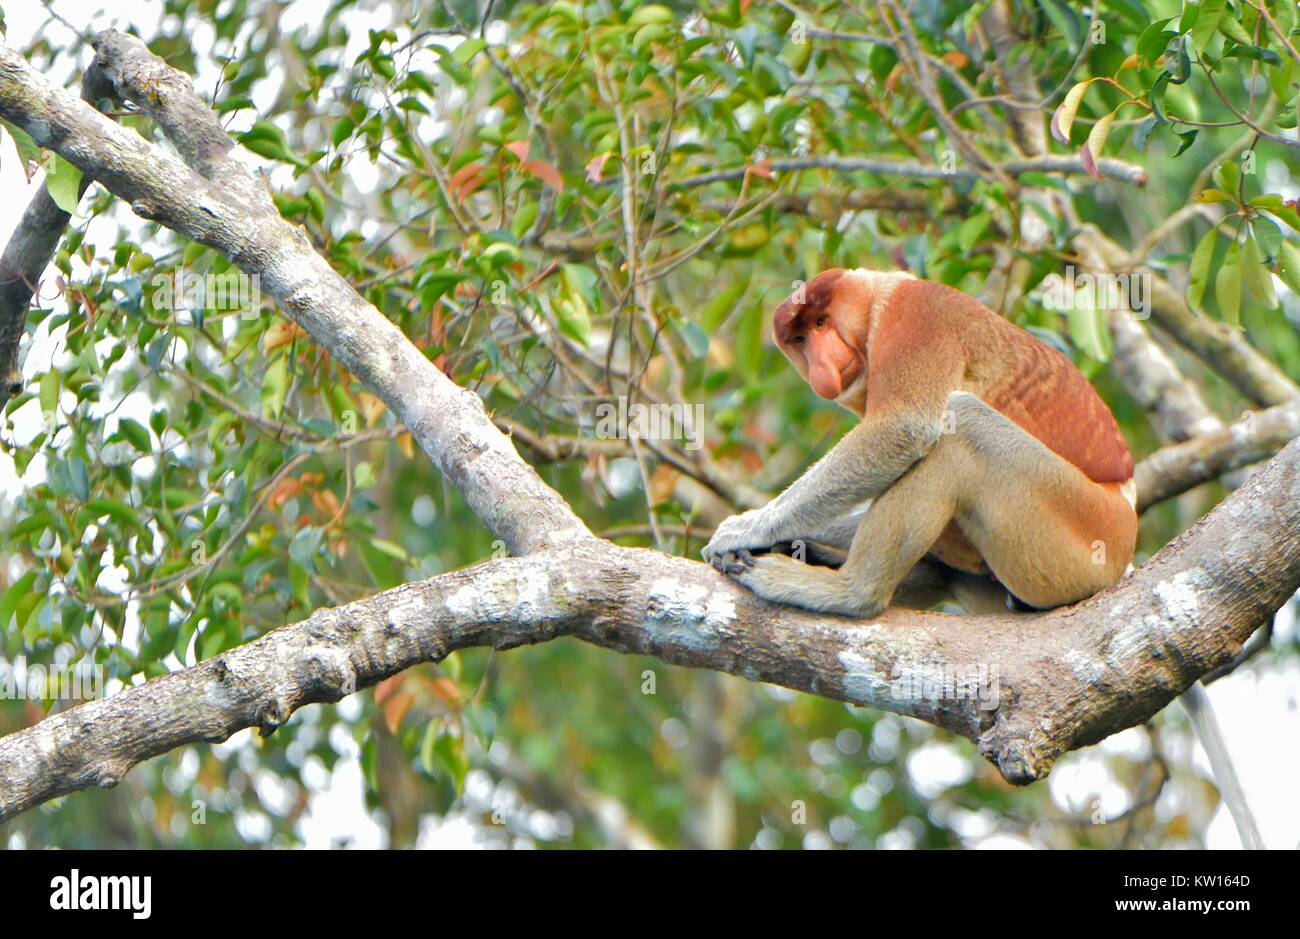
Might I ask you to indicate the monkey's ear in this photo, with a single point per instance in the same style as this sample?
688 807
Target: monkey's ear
783 321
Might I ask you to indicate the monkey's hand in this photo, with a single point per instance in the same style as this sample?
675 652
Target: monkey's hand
746 531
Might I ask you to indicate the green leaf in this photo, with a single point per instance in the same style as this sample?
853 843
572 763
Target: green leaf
1156 96
450 752
1270 201
119 511
1142 132
1254 53
582 279
265 139
1187 138
723 301
971 230
464 52
304 546
1288 215
29 151
64 184
1064 19
1227 286
1256 275
695 338
1268 235
9 600
574 320
1228 176
37 521
1232 28
649 13
1207 22
275 387
1153 41
50 392
447 61
299 579
1177 62
1284 12
392 550
573 308
427 742
135 433
501 253
29 617
79 478
1089 331
524 218
1132 10
342 130
1200 267
1289 256
651 32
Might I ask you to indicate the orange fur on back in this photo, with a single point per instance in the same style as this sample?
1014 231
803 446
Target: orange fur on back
1029 382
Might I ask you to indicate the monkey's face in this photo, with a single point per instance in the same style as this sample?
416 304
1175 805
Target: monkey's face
813 332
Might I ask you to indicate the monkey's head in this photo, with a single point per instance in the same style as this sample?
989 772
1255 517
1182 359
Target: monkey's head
820 328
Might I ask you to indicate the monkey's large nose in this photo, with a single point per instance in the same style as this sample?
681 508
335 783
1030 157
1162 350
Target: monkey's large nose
825 379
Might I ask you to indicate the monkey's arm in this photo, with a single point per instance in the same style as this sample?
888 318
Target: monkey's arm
866 462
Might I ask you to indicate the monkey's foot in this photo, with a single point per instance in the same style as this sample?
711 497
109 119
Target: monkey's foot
781 579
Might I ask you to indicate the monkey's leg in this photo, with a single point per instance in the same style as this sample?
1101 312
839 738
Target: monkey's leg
1048 533
896 533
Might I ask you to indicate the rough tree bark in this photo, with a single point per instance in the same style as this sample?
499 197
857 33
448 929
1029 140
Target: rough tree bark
1056 680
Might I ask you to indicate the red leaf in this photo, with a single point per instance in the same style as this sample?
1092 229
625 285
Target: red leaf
545 172
519 148
396 709
385 688
466 179
596 167
1089 164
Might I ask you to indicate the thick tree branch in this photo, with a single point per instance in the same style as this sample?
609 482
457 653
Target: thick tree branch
1175 469
28 254
1108 167
1059 680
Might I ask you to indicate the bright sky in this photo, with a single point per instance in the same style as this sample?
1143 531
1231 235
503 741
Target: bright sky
1259 710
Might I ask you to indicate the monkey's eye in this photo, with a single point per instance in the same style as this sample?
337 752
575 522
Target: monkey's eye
796 340
821 321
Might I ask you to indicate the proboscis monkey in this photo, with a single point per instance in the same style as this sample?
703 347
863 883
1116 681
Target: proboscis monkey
984 460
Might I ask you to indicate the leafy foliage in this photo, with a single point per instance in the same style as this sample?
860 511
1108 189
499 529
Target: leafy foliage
572 203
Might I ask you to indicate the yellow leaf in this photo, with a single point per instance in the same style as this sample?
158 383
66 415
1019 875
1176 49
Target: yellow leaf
1063 118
